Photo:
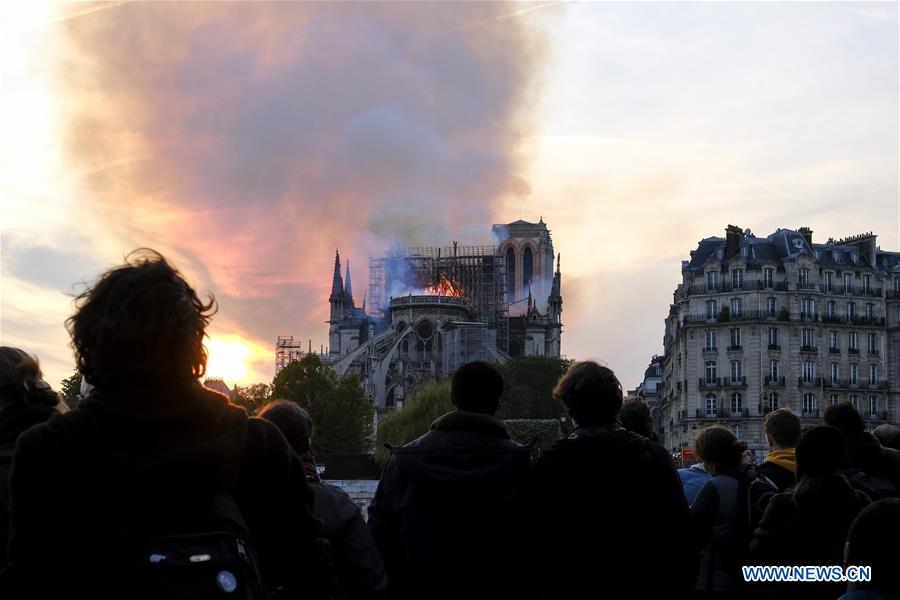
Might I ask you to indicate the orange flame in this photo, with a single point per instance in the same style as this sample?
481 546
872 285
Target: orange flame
443 287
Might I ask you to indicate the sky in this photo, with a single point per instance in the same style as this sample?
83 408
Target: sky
248 141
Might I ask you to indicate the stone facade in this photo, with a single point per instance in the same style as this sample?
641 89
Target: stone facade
763 323
362 491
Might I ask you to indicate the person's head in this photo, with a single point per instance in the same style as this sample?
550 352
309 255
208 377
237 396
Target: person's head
476 387
888 435
845 417
590 393
21 381
292 420
635 416
820 452
140 320
782 429
719 449
872 536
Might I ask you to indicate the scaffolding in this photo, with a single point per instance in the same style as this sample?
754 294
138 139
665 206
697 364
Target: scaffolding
480 271
287 351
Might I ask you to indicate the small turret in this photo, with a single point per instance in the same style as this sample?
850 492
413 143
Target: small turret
348 289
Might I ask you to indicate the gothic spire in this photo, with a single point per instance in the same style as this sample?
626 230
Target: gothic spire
348 288
337 284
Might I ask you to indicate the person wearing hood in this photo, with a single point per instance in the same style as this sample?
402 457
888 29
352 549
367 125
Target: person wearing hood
782 429
808 525
444 511
865 453
25 400
150 450
606 505
357 562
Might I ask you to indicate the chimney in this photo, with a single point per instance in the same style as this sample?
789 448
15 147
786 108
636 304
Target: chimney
733 237
806 232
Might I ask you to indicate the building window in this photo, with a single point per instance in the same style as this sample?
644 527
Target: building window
511 274
807 337
854 400
736 404
854 374
851 310
848 283
770 307
527 269
773 370
835 372
711 371
769 278
835 398
897 284
736 304
853 341
867 283
710 405
870 310
712 281
809 405
738 431
873 374
837 256
809 371
808 309
737 278
711 309
855 257
736 371
735 337
833 341
773 401
803 275
830 308
873 406
773 336
829 280
873 343
710 340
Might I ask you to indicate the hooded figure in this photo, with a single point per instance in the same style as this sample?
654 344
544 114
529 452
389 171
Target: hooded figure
444 512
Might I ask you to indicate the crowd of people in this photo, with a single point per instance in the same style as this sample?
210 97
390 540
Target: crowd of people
156 487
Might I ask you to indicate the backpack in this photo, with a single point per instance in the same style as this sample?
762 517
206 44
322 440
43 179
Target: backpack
205 552
875 488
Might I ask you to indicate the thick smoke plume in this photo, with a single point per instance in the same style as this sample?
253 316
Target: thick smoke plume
251 139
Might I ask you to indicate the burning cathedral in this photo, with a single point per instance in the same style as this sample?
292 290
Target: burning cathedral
427 311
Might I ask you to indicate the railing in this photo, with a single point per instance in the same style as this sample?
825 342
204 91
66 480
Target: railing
879 385
736 382
833 350
806 285
874 352
809 349
777 286
878 416
809 317
736 348
806 382
811 414
711 349
710 384
891 294
774 381
703 414
852 350
775 347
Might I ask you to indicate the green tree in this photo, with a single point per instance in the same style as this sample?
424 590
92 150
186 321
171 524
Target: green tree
341 413
402 426
528 383
70 389
253 397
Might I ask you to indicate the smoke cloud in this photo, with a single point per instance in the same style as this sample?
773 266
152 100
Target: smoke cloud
252 139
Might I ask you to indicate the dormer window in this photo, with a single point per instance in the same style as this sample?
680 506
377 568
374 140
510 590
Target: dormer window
745 251
855 257
836 255
720 254
817 254
803 276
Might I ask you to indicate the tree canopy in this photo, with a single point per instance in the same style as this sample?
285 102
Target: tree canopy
252 397
70 389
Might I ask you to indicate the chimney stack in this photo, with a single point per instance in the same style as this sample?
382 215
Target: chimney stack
733 237
806 232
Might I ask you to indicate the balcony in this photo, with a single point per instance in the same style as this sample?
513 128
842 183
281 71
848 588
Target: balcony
778 286
809 349
736 348
704 414
810 382
775 347
852 350
736 382
774 381
710 384
879 385
874 352
809 317
834 350
877 416
892 294
742 413
867 321
811 414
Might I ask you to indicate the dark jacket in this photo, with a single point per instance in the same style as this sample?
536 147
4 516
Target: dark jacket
13 421
782 471
443 514
724 514
607 510
866 453
808 527
358 564
82 478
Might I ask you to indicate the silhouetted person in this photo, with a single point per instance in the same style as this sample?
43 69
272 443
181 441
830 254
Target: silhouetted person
872 541
724 510
443 514
782 428
150 453
865 453
25 400
888 435
808 525
606 507
356 559
635 416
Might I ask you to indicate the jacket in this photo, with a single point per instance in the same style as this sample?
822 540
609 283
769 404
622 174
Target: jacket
83 477
604 505
444 513
780 467
866 453
693 478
